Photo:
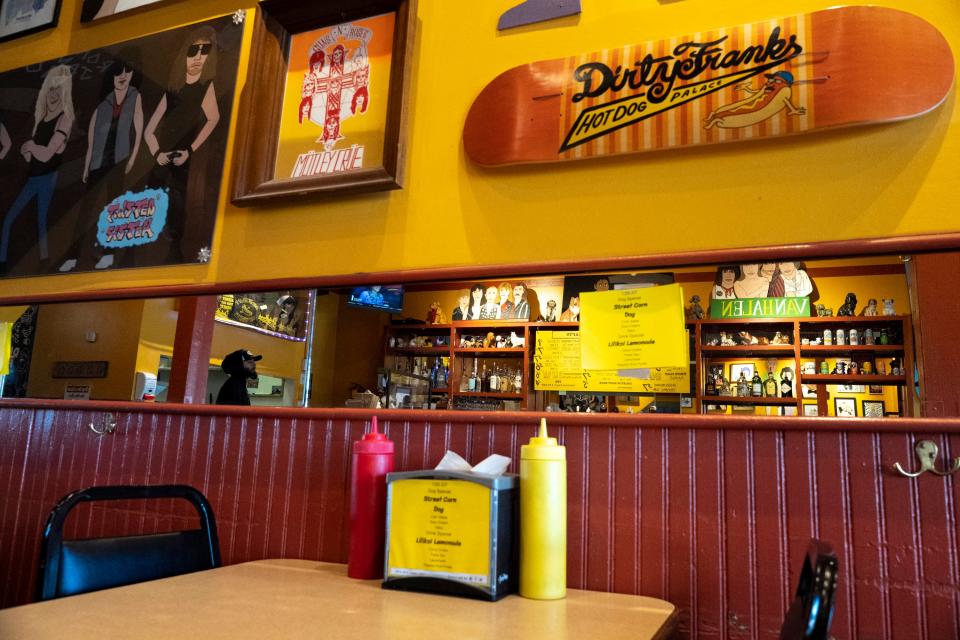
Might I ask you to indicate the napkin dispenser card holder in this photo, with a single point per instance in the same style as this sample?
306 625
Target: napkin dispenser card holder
452 532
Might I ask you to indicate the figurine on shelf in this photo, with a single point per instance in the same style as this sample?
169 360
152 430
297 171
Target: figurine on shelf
780 338
839 369
694 311
712 342
823 311
488 340
746 338
854 368
786 382
871 308
435 314
849 306
888 309
551 314
726 340
501 342
516 341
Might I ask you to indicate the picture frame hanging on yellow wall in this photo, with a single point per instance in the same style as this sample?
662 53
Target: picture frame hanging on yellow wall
92 10
324 108
20 18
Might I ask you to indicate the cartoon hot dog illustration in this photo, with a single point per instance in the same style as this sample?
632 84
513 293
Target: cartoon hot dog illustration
764 102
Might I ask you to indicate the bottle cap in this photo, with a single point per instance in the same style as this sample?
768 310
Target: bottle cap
542 447
373 441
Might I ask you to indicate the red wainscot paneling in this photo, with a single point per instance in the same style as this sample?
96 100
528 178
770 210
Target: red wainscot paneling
712 514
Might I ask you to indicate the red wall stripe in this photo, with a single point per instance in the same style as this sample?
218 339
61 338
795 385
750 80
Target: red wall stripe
715 520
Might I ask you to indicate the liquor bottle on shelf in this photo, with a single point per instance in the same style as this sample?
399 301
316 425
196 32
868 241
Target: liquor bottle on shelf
484 384
506 381
435 374
756 385
710 385
743 385
868 336
827 337
884 338
854 337
770 385
841 339
494 380
472 382
518 381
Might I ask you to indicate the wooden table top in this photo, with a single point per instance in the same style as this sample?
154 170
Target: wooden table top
306 599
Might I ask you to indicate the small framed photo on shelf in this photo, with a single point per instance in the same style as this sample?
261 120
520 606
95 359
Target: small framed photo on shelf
747 368
811 410
876 389
324 109
809 390
850 388
21 17
873 408
845 407
686 402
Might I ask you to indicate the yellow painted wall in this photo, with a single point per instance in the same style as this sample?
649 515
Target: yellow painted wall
61 330
872 181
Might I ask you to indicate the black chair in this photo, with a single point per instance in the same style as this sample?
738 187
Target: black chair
811 611
68 567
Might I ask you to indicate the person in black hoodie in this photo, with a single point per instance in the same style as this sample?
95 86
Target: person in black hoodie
239 365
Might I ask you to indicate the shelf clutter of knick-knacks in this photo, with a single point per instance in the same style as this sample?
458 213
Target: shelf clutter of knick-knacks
491 340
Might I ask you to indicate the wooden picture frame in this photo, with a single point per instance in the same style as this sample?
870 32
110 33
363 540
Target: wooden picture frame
845 407
876 389
43 18
258 128
811 410
873 408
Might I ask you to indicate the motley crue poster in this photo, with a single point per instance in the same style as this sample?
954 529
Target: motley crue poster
112 158
335 101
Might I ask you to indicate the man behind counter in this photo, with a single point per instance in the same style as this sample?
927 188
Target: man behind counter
239 365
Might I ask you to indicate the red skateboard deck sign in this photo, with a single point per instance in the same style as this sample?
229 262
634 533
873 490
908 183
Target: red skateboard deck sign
833 68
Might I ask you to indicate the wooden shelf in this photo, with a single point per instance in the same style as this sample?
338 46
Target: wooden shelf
488 394
811 349
724 321
762 401
857 379
854 319
748 348
491 351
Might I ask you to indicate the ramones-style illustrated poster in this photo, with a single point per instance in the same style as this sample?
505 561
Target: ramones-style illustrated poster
113 158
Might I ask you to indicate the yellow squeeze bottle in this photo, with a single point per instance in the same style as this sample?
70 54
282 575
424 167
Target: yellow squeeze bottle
543 518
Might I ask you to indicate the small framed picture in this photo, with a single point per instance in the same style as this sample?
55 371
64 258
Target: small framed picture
809 390
845 407
736 368
876 389
326 101
686 402
811 410
851 388
19 18
788 411
873 408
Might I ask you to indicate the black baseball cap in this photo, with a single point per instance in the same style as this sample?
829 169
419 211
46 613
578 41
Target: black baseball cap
246 355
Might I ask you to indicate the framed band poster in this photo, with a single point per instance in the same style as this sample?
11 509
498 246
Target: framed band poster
325 106
113 157
97 9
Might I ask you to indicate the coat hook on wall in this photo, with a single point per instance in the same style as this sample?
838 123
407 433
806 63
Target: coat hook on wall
927 451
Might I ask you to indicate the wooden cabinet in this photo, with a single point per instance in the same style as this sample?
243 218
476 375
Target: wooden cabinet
451 354
799 344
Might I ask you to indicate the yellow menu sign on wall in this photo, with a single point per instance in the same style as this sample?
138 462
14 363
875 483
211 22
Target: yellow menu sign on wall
633 328
556 367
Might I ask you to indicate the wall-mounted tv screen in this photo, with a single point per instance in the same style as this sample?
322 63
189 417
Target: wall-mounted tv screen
383 297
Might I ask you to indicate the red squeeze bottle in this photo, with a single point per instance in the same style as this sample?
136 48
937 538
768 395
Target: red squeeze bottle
372 461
